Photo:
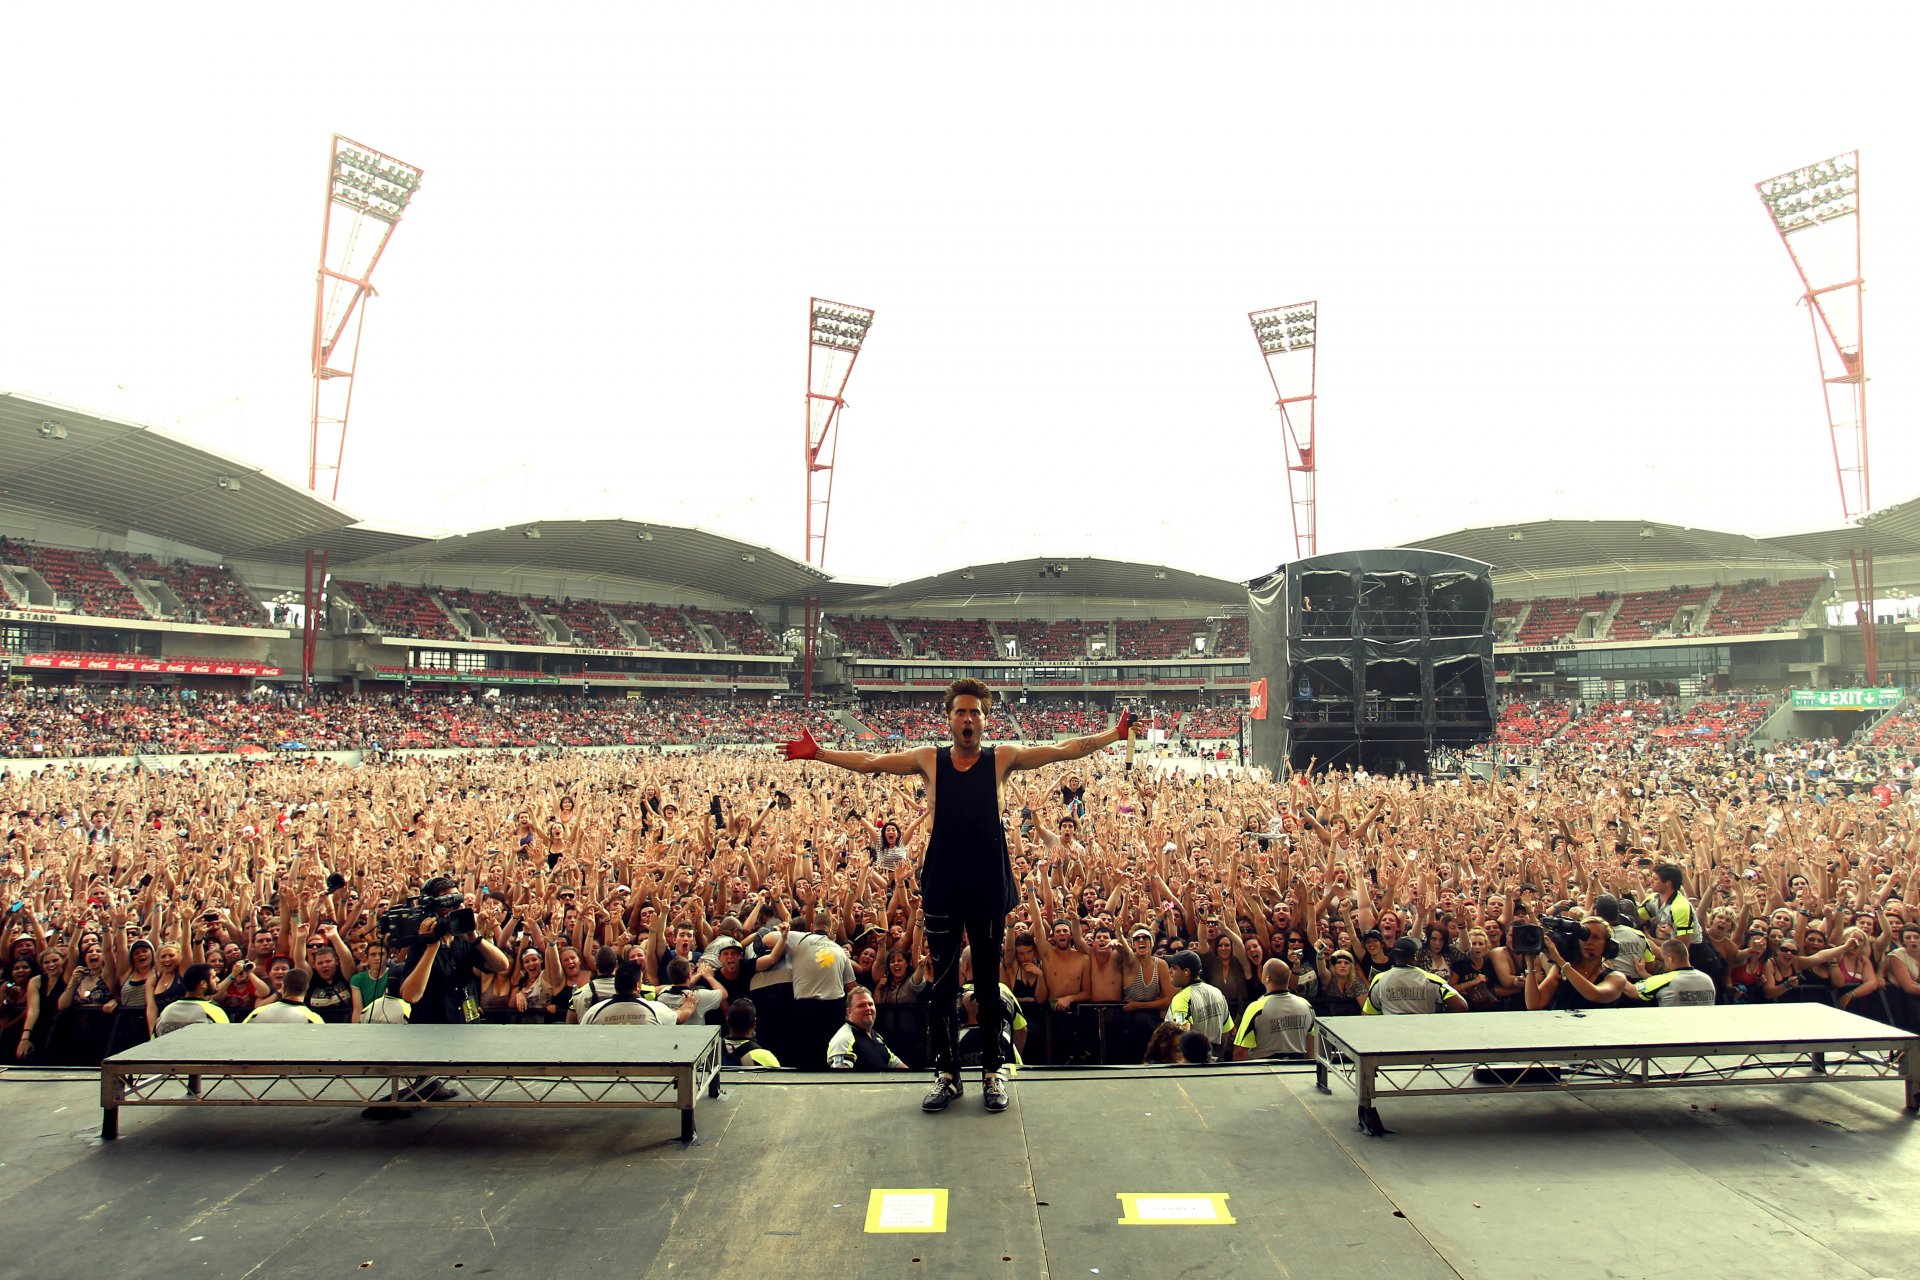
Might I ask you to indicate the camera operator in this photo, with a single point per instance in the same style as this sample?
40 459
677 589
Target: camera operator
447 959
1555 981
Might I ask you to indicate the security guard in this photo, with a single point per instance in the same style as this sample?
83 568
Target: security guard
1666 904
1407 988
1681 984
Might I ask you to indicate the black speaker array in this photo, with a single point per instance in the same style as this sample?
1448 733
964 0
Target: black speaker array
1372 658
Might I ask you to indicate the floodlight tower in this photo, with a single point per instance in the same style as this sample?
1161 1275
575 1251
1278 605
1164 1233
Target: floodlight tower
835 334
1288 336
1816 210
367 193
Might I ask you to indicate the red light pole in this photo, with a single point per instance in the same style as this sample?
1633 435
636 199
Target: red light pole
1288 338
367 192
1816 210
835 334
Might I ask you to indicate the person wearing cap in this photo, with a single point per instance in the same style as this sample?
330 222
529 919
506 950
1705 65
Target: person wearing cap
966 876
1407 988
1144 999
724 969
1341 988
1196 1003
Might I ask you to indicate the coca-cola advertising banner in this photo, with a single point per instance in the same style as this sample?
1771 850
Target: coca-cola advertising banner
146 666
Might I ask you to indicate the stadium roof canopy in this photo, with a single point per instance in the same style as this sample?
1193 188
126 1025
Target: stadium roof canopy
1055 577
356 542
121 477
614 550
1560 548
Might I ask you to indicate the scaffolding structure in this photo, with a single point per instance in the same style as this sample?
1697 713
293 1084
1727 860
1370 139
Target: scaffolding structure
1288 338
1816 210
836 332
367 194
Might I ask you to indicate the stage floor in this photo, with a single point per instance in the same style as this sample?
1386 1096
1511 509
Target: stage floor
783 1182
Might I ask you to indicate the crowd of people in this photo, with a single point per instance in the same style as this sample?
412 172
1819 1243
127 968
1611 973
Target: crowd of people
64 722
728 884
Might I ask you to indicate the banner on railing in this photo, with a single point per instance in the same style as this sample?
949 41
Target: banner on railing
146 666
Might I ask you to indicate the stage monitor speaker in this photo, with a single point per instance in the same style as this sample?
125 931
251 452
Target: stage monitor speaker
1370 659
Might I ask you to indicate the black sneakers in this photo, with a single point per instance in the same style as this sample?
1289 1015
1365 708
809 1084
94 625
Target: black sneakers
945 1089
994 1087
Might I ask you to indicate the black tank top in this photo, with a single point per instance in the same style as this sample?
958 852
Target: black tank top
966 868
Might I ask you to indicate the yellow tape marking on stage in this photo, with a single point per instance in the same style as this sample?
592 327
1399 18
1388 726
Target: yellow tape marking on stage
1174 1209
894 1210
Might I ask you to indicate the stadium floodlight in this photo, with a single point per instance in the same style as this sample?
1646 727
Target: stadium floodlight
372 183
367 194
1288 338
1816 210
836 334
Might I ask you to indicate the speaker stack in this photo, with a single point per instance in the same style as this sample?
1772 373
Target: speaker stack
1371 659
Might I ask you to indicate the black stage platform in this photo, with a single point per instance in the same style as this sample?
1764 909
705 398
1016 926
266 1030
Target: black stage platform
1812 1182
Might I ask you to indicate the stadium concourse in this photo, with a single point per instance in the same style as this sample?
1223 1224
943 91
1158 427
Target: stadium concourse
576 721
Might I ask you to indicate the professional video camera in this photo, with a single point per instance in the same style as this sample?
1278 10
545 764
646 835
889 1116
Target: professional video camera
400 925
1567 933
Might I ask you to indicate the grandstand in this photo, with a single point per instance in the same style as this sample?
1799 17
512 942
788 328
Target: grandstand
190 583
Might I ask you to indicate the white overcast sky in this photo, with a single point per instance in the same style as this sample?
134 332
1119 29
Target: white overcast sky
1547 287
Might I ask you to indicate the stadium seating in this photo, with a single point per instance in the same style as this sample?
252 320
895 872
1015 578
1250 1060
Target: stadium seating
914 721
1528 724
1554 620
1900 729
592 626
1753 607
1051 720
956 639
741 629
505 617
1063 641
207 593
1646 614
400 609
1506 616
1200 723
82 578
1231 641
658 627
869 636
1717 719
1615 723
1158 637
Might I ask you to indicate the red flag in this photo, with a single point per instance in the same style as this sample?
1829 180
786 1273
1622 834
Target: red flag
1257 698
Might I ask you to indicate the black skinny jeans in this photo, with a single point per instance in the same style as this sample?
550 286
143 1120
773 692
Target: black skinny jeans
986 933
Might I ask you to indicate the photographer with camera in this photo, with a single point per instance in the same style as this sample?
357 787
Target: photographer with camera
445 958
1568 969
